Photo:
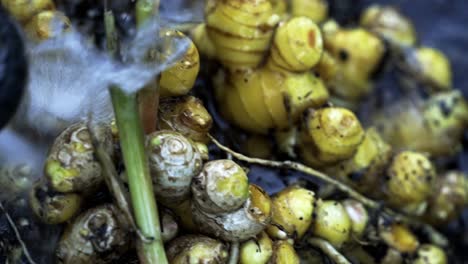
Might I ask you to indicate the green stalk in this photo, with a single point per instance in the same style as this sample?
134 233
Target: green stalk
136 163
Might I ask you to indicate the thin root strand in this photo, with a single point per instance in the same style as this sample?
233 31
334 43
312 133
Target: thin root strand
435 237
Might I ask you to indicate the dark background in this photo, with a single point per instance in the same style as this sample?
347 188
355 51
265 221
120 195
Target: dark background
442 24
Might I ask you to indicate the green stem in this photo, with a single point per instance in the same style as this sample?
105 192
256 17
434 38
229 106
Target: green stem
139 180
136 163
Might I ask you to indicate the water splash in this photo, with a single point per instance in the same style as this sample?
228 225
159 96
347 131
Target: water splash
181 11
69 76
68 82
